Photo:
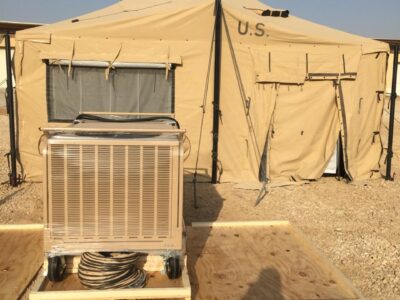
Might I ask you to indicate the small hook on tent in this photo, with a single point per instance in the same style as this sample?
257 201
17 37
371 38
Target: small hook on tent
248 103
72 58
374 135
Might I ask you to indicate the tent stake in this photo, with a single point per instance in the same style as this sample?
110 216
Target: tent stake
392 114
217 88
10 110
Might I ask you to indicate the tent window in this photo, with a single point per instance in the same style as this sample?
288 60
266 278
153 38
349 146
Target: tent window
86 89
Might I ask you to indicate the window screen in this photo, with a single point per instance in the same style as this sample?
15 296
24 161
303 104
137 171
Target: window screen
86 89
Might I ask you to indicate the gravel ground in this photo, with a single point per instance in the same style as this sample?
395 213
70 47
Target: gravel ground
355 225
17 205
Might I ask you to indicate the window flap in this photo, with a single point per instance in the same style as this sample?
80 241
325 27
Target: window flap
339 61
134 52
280 77
42 37
177 60
279 66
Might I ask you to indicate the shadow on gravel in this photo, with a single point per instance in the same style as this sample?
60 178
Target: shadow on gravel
8 197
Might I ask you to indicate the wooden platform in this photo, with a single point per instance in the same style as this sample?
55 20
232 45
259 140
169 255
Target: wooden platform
227 260
21 256
260 260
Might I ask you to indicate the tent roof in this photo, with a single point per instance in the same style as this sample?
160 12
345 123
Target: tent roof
179 20
12 27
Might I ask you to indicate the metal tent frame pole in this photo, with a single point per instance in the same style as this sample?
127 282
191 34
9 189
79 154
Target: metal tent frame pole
10 109
217 90
392 114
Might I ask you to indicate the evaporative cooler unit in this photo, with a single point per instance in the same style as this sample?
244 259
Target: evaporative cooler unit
113 186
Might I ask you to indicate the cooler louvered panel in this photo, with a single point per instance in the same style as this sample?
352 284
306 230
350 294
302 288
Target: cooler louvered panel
110 192
88 189
73 197
104 190
148 185
118 191
163 189
134 191
58 190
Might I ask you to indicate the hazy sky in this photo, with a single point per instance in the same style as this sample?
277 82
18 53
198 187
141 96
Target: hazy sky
372 18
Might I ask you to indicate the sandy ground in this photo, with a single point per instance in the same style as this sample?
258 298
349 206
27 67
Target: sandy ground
357 225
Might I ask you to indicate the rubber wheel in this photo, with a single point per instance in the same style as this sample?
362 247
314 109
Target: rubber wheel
56 268
173 267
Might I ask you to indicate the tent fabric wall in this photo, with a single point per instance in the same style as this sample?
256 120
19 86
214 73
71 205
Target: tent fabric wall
364 108
301 149
78 44
266 83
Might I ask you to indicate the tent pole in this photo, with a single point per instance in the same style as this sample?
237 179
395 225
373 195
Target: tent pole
392 114
339 158
217 88
10 110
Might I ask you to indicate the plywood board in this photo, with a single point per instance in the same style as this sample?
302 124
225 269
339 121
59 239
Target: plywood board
260 260
21 256
227 260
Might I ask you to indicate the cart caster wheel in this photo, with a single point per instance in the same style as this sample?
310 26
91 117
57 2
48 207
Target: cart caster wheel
56 268
173 267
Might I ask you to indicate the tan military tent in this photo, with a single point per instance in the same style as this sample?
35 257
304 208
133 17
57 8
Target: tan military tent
288 86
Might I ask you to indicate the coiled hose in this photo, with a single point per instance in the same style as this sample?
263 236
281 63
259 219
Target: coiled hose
110 271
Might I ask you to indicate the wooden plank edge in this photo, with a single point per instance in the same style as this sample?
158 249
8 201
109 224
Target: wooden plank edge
185 278
5 227
327 262
184 292
145 293
31 282
38 284
240 223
